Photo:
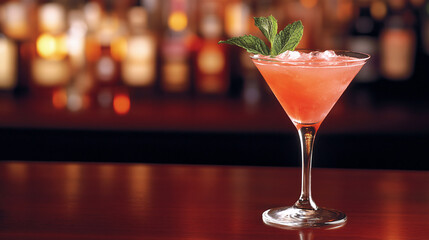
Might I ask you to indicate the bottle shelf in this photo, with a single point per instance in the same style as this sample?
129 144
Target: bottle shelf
213 115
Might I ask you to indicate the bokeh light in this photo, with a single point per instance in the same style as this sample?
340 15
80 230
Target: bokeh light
121 103
177 21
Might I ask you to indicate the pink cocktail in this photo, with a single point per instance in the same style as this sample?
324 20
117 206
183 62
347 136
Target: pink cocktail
308 84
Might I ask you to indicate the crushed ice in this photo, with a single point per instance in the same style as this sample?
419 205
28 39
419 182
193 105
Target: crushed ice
328 54
292 55
295 55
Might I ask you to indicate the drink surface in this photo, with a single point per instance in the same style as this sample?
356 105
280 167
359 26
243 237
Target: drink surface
308 84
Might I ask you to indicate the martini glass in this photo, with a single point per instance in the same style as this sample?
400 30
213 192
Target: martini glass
308 88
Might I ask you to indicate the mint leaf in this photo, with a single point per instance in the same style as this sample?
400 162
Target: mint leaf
268 26
251 43
288 38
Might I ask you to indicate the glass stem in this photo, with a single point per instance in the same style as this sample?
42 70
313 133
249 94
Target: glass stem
307 133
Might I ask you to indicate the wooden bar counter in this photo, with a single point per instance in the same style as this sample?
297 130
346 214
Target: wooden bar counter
52 200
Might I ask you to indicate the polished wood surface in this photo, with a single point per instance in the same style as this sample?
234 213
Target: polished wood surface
41 200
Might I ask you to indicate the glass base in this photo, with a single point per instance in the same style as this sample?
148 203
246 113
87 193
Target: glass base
293 217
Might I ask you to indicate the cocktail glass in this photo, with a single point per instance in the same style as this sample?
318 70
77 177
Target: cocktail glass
307 91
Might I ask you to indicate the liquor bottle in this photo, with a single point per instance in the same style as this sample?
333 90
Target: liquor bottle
50 67
175 69
110 37
139 65
8 66
252 82
237 16
175 54
15 20
77 93
16 47
310 13
425 27
211 67
93 13
244 76
153 12
364 38
398 43
338 18
420 82
76 32
108 33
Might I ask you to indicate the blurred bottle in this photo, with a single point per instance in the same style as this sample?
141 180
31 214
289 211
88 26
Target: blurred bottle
424 9
175 53
364 37
8 64
111 38
77 30
76 95
15 20
93 14
154 14
420 83
310 13
398 42
211 67
237 18
108 49
50 67
244 75
139 65
337 18
16 46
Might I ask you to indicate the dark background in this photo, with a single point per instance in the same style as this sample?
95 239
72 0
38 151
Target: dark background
379 150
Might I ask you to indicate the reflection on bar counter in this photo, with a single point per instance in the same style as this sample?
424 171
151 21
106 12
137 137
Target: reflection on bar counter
84 54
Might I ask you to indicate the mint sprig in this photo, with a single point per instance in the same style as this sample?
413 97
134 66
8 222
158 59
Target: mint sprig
268 26
288 38
251 43
285 40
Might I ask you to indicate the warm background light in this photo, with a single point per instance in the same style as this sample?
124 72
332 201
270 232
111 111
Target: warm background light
15 20
52 47
177 21
378 9
121 103
237 18
52 18
50 72
308 3
8 55
59 98
76 35
119 48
